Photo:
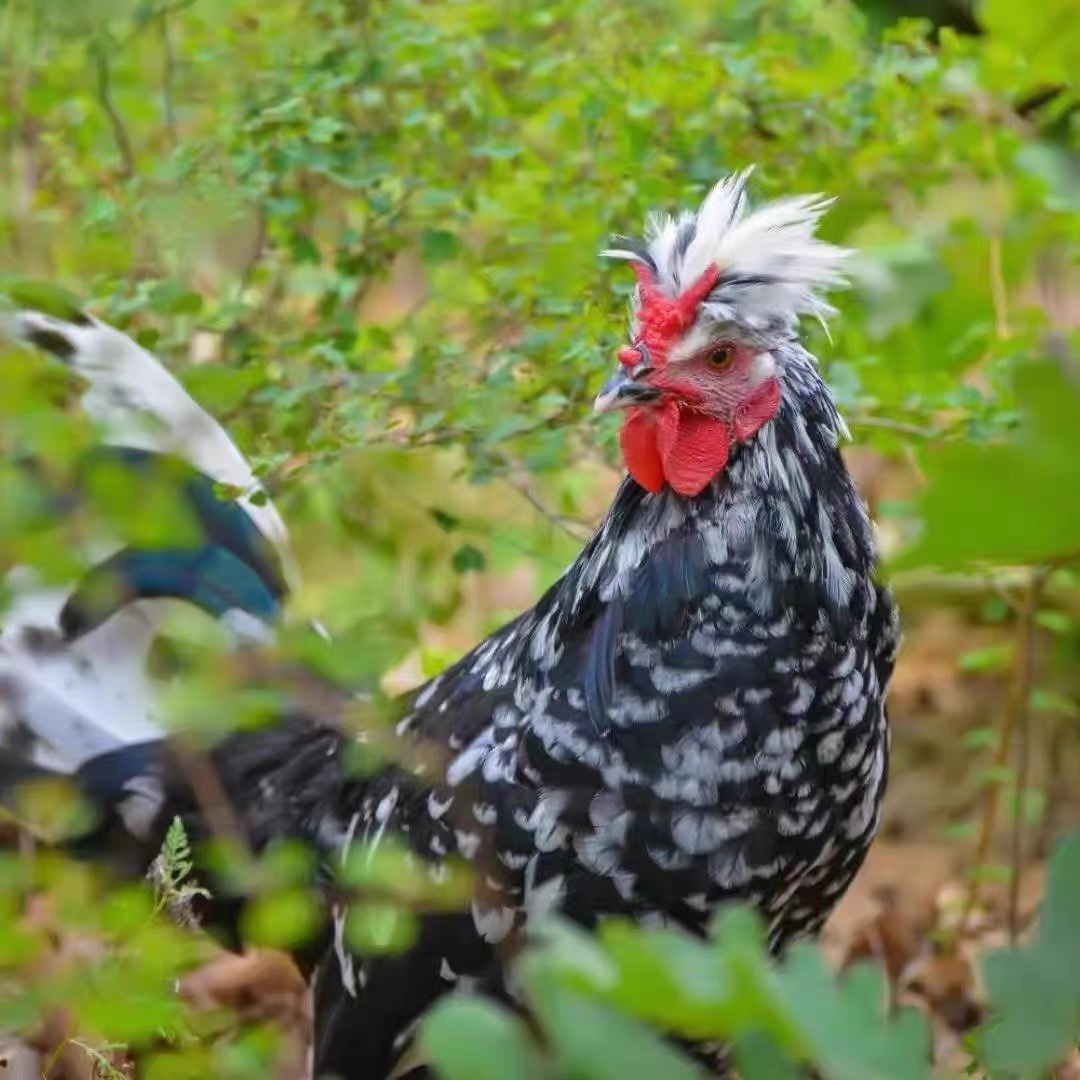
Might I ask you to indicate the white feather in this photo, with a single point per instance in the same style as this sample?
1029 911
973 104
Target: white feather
723 206
93 695
141 405
775 265
80 699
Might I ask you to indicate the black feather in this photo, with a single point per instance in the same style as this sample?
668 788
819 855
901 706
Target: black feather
638 247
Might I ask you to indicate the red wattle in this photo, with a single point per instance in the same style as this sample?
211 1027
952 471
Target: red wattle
693 450
754 410
680 447
638 441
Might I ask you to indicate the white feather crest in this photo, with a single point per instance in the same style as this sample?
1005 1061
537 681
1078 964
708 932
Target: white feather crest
722 208
773 267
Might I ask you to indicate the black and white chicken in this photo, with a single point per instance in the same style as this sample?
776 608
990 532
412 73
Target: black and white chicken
693 713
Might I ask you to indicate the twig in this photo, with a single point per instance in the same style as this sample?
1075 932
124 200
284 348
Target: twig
1026 668
1055 785
902 427
915 586
167 75
1015 718
258 248
116 123
211 796
96 1065
998 294
574 527
21 164
247 270
998 588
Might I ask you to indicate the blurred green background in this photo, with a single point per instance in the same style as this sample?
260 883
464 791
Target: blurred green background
364 233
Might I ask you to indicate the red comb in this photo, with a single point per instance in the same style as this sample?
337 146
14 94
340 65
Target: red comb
662 319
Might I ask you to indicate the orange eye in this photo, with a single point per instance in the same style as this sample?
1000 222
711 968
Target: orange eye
720 358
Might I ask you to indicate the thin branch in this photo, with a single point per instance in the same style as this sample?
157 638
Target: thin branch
258 248
116 123
1062 562
1015 718
136 27
168 75
1022 724
1015 606
211 796
999 296
574 527
954 587
902 427
1055 784
998 293
1026 679
247 271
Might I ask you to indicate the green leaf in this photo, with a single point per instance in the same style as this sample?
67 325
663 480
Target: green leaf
473 1039
375 928
846 1025
1033 990
281 920
591 1040
219 387
438 245
980 738
991 658
1052 702
173 298
1012 502
446 521
44 296
389 869
757 1058
1047 37
1055 621
466 558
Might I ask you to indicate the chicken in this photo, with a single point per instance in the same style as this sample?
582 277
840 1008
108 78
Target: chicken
73 678
692 714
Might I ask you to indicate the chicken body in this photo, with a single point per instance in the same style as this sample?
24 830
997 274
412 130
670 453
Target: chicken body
694 713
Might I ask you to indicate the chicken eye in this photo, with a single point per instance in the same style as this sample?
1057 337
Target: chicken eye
720 357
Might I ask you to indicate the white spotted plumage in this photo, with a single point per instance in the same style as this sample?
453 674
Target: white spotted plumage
693 713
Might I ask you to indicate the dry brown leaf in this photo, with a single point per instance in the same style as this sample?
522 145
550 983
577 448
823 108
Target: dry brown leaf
261 985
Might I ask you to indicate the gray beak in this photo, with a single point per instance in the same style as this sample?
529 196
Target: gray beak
621 390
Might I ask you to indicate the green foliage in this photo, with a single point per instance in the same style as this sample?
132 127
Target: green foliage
364 235
259 175
1034 989
728 990
980 500
585 989
177 862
